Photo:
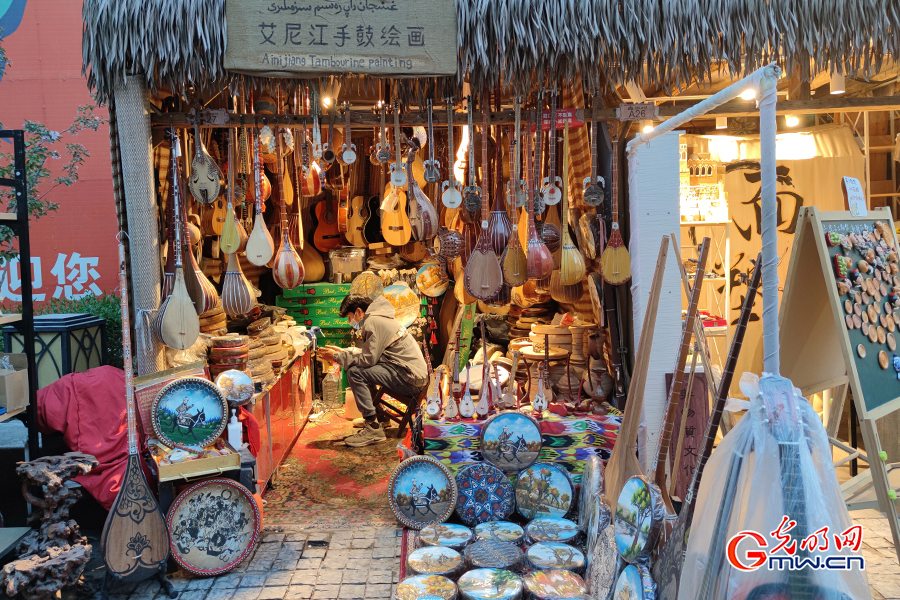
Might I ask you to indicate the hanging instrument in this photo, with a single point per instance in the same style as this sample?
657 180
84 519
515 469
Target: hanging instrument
450 196
472 193
423 217
539 263
260 245
230 240
206 177
288 268
432 167
593 190
571 262
348 149
398 174
551 192
615 263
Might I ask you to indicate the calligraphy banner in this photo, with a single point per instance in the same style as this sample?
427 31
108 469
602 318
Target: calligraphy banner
811 182
289 38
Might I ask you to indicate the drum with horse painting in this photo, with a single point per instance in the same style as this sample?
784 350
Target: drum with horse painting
422 491
511 441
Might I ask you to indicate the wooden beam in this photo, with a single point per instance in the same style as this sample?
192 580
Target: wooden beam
734 108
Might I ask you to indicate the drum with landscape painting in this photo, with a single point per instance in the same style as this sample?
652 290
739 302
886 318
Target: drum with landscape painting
555 584
544 490
551 529
490 584
417 586
450 535
499 531
436 560
553 555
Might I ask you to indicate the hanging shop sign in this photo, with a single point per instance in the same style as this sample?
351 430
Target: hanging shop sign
396 38
637 111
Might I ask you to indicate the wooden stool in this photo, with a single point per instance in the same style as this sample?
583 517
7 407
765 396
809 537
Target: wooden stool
402 417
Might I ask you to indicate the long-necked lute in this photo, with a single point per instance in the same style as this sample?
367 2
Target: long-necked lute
288 269
539 260
260 246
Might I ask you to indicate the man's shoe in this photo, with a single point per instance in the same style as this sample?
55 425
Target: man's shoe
358 422
367 436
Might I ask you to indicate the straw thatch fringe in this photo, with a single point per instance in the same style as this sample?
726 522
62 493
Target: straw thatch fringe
180 44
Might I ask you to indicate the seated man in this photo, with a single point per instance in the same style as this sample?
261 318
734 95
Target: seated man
389 357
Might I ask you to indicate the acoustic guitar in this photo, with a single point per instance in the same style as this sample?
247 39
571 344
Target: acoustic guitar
343 210
372 227
357 212
326 235
395 226
206 178
135 540
313 265
483 276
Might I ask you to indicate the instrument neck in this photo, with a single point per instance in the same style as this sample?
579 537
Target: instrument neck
529 173
451 151
485 108
565 187
552 149
257 198
282 204
397 130
176 197
594 140
126 354
430 132
347 126
471 143
614 175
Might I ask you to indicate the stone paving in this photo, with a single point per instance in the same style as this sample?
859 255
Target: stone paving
881 558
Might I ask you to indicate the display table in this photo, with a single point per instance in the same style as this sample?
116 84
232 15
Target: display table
568 441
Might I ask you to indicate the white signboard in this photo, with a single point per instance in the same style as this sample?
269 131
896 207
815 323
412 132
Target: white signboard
288 38
854 197
637 111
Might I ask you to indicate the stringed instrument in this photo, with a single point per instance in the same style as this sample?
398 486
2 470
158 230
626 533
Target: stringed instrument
238 296
499 223
593 190
213 219
372 227
177 323
512 260
539 263
450 194
432 172
483 408
201 290
230 240
260 245
348 149
483 276
451 408
326 235
205 182
571 262
288 269
511 397
313 265
539 403
169 267
551 192
135 519
518 191
395 226
423 217
383 152
466 405
615 263
670 560
496 387
433 404
357 213
398 173
328 153
472 193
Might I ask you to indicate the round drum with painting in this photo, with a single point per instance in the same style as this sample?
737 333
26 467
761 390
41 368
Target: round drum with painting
405 303
422 491
599 520
511 441
493 555
544 490
591 487
429 281
552 529
436 560
490 584
213 526
553 555
499 531
236 386
634 583
485 494
555 584
602 561
367 284
445 534
418 586
637 521
189 413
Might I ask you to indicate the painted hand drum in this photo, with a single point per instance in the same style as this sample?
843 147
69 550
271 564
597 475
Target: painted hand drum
511 441
600 550
436 560
417 586
189 413
591 486
555 584
639 516
499 531
213 526
490 584
635 583
553 555
544 490
450 535
552 530
494 555
485 494
422 491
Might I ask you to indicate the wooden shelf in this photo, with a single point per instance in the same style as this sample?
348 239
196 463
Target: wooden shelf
7 319
9 415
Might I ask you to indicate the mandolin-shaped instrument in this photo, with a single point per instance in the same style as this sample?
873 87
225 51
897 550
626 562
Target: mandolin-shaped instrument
260 245
423 217
432 167
472 193
450 196
512 260
483 276
466 405
571 262
615 263
552 192
593 185
348 149
539 262
135 540
177 324
288 269
230 240
398 173
206 177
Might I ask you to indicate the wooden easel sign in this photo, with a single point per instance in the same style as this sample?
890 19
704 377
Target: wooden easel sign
840 324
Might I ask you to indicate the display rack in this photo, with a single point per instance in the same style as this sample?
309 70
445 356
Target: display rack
24 322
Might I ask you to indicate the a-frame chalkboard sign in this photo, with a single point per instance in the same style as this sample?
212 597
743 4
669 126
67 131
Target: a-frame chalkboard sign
833 336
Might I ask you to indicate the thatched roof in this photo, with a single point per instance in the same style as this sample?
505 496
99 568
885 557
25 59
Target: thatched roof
669 43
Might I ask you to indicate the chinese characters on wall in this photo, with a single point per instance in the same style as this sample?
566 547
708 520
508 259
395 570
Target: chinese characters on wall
72 276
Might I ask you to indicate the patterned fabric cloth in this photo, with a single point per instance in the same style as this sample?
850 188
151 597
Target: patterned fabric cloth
579 144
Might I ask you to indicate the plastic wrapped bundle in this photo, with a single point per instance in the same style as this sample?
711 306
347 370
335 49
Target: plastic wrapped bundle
740 493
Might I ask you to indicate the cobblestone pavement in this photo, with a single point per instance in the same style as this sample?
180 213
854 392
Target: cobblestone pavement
881 557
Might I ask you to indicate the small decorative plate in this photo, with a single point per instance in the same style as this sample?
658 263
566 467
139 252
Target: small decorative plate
436 560
422 491
367 284
591 486
551 529
553 555
189 413
511 441
417 586
490 584
428 280
485 494
236 386
213 526
499 531
445 534
493 555
405 302
544 490
553 584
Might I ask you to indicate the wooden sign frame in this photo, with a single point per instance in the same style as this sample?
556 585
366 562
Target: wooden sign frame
817 354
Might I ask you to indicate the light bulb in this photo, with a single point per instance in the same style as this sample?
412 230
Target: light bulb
646 125
791 121
326 101
721 122
748 94
838 83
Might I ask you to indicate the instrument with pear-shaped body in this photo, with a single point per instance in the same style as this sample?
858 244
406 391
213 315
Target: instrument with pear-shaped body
467 405
483 408
423 217
288 269
433 404
565 284
593 185
615 263
450 193
513 260
398 173
539 261
260 245
499 223
206 178
230 239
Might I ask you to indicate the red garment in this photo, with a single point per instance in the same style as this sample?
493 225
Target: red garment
251 426
89 409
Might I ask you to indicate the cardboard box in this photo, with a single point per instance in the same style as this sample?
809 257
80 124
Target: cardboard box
200 467
13 382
